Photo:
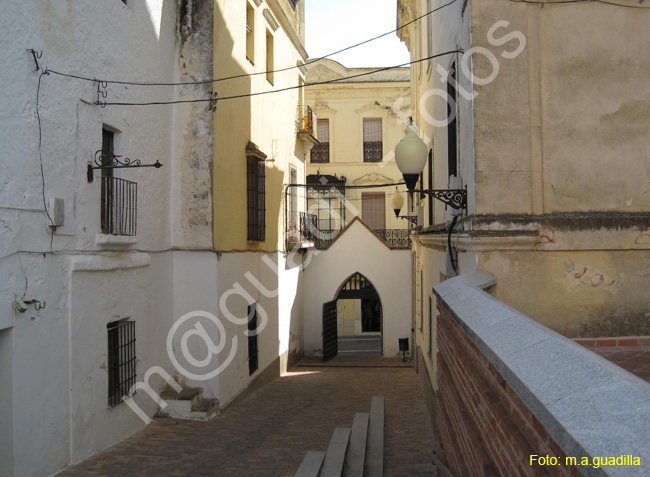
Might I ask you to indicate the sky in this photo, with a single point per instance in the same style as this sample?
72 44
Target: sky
335 24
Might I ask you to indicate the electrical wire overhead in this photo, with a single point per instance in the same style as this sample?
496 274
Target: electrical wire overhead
561 2
247 75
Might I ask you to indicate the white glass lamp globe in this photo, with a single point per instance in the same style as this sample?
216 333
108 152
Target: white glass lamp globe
411 156
397 202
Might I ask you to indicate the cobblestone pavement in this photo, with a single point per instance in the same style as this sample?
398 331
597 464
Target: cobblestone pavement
635 359
268 433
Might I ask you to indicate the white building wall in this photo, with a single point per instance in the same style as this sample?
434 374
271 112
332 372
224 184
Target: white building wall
389 271
53 375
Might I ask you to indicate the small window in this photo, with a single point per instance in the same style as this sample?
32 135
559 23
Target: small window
121 360
430 327
253 352
431 187
269 56
250 33
372 141
321 152
256 182
373 209
452 126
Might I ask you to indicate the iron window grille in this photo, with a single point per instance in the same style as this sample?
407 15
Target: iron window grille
119 206
372 140
256 180
121 360
253 351
320 153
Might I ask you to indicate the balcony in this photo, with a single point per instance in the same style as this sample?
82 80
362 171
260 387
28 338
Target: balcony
119 207
306 127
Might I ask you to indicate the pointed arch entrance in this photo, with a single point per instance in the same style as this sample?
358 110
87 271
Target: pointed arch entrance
357 329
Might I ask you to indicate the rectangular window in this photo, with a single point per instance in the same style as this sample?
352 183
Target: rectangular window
250 33
121 360
321 152
294 213
119 197
430 177
372 141
452 150
430 328
253 352
256 178
269 56
373 209
429 30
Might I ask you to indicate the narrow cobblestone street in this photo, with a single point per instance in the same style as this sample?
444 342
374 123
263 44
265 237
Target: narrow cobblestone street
268 433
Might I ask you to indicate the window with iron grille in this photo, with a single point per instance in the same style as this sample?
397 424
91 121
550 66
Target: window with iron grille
256 179
119 197
321 152
372 141
121 360
253 351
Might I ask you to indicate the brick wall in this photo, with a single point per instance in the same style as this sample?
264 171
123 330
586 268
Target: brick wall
483 426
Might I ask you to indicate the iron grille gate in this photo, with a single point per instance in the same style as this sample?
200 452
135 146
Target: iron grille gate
330 333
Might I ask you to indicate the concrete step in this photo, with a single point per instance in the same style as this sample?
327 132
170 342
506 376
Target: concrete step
356 454
189 404
375 445
333 463
311 464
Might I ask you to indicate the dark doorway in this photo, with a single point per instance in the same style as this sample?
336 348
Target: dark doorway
358 318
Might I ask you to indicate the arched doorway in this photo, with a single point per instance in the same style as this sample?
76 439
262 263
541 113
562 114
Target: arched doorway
358 322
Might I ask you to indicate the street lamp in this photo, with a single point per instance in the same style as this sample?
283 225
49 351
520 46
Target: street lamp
396 202
411 157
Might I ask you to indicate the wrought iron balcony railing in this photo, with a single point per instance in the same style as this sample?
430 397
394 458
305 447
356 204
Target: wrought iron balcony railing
306 122
321 238
119 206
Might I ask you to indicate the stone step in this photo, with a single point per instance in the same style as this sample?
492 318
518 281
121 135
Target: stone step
374 466
311 464
333 463
189 404
356 454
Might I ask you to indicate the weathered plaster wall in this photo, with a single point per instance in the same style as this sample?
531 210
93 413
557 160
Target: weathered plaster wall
358 250
594 293
83 278
192 143
572 109
557 207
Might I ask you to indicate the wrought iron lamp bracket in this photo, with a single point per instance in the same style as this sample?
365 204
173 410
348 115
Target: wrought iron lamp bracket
115 162
411 218
455 198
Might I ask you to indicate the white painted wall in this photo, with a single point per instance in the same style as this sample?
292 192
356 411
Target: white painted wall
389 271
53 374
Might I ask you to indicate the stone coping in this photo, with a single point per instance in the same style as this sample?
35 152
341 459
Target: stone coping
589 406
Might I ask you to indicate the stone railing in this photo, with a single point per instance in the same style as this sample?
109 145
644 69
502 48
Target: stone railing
515 398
